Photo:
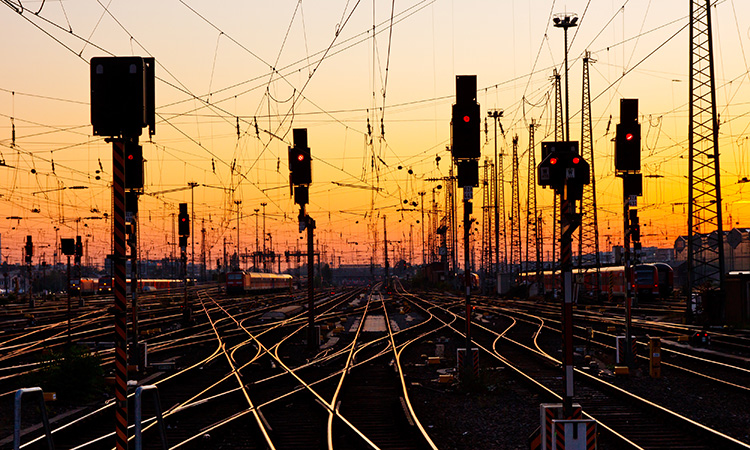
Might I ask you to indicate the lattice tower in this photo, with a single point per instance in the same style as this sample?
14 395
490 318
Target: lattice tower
515 213
705 251
533 234
588 232
487 215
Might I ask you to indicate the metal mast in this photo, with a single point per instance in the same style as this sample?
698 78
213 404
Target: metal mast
705 255
487 213
533 235
588 233
515 212
559 136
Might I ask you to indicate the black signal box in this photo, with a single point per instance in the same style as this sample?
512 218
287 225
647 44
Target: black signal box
300 161
465 120
122 95
68 246
468 172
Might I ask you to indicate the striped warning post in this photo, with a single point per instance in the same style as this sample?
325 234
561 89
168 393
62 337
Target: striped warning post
549 416
559 436
611 292
591 435
119 280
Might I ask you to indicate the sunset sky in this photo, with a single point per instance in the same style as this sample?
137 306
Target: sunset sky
226 69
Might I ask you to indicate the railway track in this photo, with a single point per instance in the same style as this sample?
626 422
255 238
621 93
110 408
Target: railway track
632 421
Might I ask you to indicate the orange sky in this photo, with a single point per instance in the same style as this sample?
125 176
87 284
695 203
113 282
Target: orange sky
215 70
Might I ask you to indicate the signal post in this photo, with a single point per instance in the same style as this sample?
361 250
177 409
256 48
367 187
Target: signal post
300 178
466 150
122 104
183 227
565 171
628 167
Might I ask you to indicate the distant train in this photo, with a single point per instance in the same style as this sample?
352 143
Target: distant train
240 282
83 286
647 280
104 285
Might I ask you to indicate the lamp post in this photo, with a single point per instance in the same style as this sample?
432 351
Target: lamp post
565 21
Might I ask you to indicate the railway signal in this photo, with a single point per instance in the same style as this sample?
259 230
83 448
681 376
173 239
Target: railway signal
122 104
300 161
133 166
300 178
628 137
466 150
465 121
183 221
29 249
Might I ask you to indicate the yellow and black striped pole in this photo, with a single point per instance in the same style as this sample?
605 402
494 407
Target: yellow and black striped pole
119 281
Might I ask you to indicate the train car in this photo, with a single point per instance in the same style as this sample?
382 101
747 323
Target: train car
148 285
235 282
240 282
104 286
666 279
646 280
83 286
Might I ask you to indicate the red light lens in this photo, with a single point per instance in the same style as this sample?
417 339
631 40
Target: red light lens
553 161
467 119
130 157
576 160
300 157
629 137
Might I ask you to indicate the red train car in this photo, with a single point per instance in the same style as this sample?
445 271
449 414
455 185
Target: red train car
83 286
241 282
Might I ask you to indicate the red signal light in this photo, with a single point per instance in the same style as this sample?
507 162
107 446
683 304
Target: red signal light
553 161
467 119
576 160
629 136
300 157
130 157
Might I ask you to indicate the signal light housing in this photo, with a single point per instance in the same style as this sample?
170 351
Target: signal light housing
183 221
300 164
465 120
133 166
